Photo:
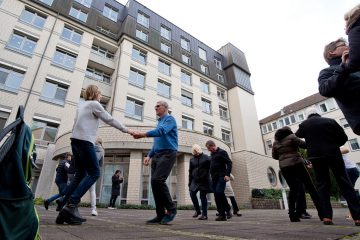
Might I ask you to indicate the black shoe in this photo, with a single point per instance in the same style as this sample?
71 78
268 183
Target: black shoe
237 214
294 218
169 216
60 205
196 214
217 214
228 215
70 214
203 217
155 220
221 218
46 204
305 215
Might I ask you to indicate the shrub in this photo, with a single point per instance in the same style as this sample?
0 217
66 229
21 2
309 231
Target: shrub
266 193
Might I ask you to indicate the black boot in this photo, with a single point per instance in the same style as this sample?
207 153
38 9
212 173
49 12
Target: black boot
294 217
70 214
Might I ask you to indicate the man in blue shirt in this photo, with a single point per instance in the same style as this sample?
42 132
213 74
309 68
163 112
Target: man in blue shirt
163 156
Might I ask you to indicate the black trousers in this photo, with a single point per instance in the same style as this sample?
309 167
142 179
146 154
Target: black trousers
113 200
234 205
161 166
301 200
218 185
336 164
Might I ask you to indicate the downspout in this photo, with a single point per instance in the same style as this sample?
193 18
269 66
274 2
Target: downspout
41 60
116 80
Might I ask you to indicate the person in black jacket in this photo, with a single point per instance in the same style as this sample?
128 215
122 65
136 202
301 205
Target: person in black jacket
199 180
352 29
323 137
220 169
115 188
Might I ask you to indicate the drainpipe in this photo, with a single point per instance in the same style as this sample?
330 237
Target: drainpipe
116 80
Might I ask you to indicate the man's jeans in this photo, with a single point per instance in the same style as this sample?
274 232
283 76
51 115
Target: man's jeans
204 201
222 204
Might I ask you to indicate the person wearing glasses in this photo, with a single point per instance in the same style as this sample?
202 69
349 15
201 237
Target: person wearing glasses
163 157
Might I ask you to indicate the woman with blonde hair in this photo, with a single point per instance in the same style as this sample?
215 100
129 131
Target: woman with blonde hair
199 180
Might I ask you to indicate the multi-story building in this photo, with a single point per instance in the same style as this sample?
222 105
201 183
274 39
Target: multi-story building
52 49
292 115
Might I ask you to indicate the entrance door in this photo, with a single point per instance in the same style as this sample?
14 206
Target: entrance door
109 170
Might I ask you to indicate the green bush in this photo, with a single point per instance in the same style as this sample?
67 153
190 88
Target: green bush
266 193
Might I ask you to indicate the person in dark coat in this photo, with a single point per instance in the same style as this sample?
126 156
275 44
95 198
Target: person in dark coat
115 188
352 29
285 149
220 169
199 180
323 137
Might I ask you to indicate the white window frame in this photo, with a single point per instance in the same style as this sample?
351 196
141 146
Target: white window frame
86 3
45 125
13 79
220 78
186 98
142 34
206 106
37 19
164 67
189 122
208 129
165 32
137 77
139 55
78 14
53 89
163 88
223 112
186 80
66 57
73 33
143 19
103 52
134 105
218 63
221 93
186 58
205 86
97 75
202 54
165 47
204 68
185 44
110 12
25 41
226 135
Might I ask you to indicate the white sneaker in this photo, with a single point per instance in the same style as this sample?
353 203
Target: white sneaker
111 208
94 212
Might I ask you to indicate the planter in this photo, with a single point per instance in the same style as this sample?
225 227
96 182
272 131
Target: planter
259 203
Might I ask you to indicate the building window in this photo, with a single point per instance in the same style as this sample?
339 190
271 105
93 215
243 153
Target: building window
10 79
323 108
102 51
271 176
185 44
186 78
97 75
221 93
139 55
344 123
143 19
186 98
64 59
292 119
165 47
186 58
137 78
106 31
78 14
110 13
281 123
217 63
33 18
202 54
354 144
145 186
269 127
225 136
164 67
163 88
86 3
206 106
204 86
274 124
204 69
223 113
142 34
22 43
54 92
134 109
287 121
264 129
44 131
187 123
220 78
301 117
208 129
268 144
165 32
47 2
3 118
71 34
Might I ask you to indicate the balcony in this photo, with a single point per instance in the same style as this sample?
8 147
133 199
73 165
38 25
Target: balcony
104 87
100 59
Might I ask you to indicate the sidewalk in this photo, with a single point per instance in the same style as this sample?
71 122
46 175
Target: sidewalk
254 224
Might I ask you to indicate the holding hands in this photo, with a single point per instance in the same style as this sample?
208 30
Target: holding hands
136 134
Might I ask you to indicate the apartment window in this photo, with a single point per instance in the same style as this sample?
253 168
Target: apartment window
86 3
142 34
187 123
33 18
102 51
186 98
43 130
287 121
269 127
139 55
204 86
64 59
185 44
323 108
134 108
223 112
165 32
204 68
268 144
164 67
354 144
208 129
301 117
71 34
225 136
110 13
206 106
137 78
97 75
10 79
264 129
292 119
271 176
3 118
202 54
217 63
47 2
165 47
221 93
274 124
186 58
186 78
143 19
344 123
78 14
220 78
281 123
54 92
163 88
22 43
106 31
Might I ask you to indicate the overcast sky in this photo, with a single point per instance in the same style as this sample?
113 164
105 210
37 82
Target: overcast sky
283 40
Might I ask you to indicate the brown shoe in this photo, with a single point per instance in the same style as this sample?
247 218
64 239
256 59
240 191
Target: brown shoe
203 217
328 221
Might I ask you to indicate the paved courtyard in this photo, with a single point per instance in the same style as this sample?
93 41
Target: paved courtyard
254 224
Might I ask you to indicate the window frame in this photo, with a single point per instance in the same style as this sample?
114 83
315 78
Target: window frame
136 82
187 120
86 3
165 47
136 103
187 81
353 142
13 74
139 55
223 112
202 54
206 106
144 35
66 54
35 17
58 86
165 32
207 127
44 125
79 12
141 20
25 40
161 67
185 43
111 12
73 33
165 83
225 133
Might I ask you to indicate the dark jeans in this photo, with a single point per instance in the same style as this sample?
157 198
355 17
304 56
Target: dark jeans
161 166
296 177
63 188
301 200
113 200
353 174
234 204
204 201
354 46
336 164
220 198
87 170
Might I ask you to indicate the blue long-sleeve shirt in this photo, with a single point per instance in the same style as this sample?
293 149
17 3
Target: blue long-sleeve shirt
165 135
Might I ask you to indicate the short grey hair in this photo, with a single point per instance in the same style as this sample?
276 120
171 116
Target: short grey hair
163 103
